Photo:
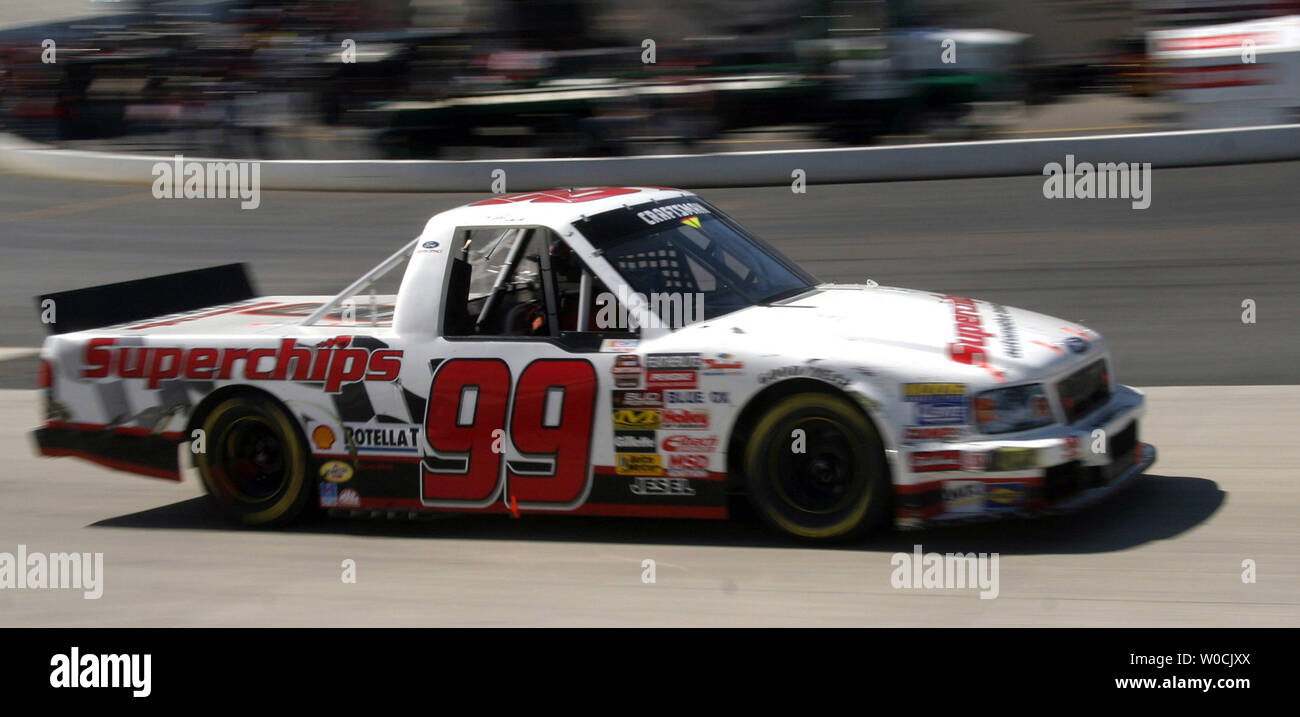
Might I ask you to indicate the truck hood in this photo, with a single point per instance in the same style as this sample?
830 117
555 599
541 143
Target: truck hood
924 334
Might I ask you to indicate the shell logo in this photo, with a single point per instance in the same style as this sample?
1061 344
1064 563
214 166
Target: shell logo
323 437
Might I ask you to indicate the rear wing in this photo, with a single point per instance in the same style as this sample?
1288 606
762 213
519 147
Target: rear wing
125 301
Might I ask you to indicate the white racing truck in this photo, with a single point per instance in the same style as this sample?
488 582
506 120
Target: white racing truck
619 351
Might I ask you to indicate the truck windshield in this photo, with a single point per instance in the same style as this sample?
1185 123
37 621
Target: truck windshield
687 250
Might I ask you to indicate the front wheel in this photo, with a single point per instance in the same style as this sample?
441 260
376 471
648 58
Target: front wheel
256 464
815 468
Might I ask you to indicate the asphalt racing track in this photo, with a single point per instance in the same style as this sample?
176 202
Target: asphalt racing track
1165 285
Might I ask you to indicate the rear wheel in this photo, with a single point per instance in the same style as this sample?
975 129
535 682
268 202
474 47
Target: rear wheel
256 463
815 468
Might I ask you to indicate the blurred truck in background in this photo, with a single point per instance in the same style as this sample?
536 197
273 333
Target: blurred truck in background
1234 74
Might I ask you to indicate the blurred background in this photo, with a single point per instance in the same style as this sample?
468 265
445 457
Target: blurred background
465 79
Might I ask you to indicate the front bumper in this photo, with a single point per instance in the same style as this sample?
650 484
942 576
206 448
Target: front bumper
1060 469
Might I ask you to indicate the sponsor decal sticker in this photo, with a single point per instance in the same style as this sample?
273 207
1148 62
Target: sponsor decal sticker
332 363
634 441
370 438
969 348
963 496
925 461
672 371
336 472
668 212
381 438
639 464
1007 325
816 372
627 371
638 399
636 419
918 433
670 379
975 461
685 419
683 397
661 486
684 443
349 498
936 404
329 494
1013 459
723 397
323 437
1005 496
689 462
723 365
686 362
916 391
619 345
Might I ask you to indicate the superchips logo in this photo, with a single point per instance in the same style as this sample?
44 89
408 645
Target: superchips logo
332 363
969 347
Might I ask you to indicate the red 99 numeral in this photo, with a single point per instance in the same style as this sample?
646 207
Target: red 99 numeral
550 427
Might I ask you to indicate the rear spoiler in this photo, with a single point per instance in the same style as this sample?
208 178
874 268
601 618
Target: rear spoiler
125 301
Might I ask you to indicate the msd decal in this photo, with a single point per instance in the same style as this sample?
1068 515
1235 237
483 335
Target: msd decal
691 462
333 364
695 466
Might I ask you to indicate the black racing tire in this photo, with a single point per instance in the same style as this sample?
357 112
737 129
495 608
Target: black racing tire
837 487
257 467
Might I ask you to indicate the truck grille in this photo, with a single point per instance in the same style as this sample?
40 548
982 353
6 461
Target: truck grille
1122 450
1067 479
1084 391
